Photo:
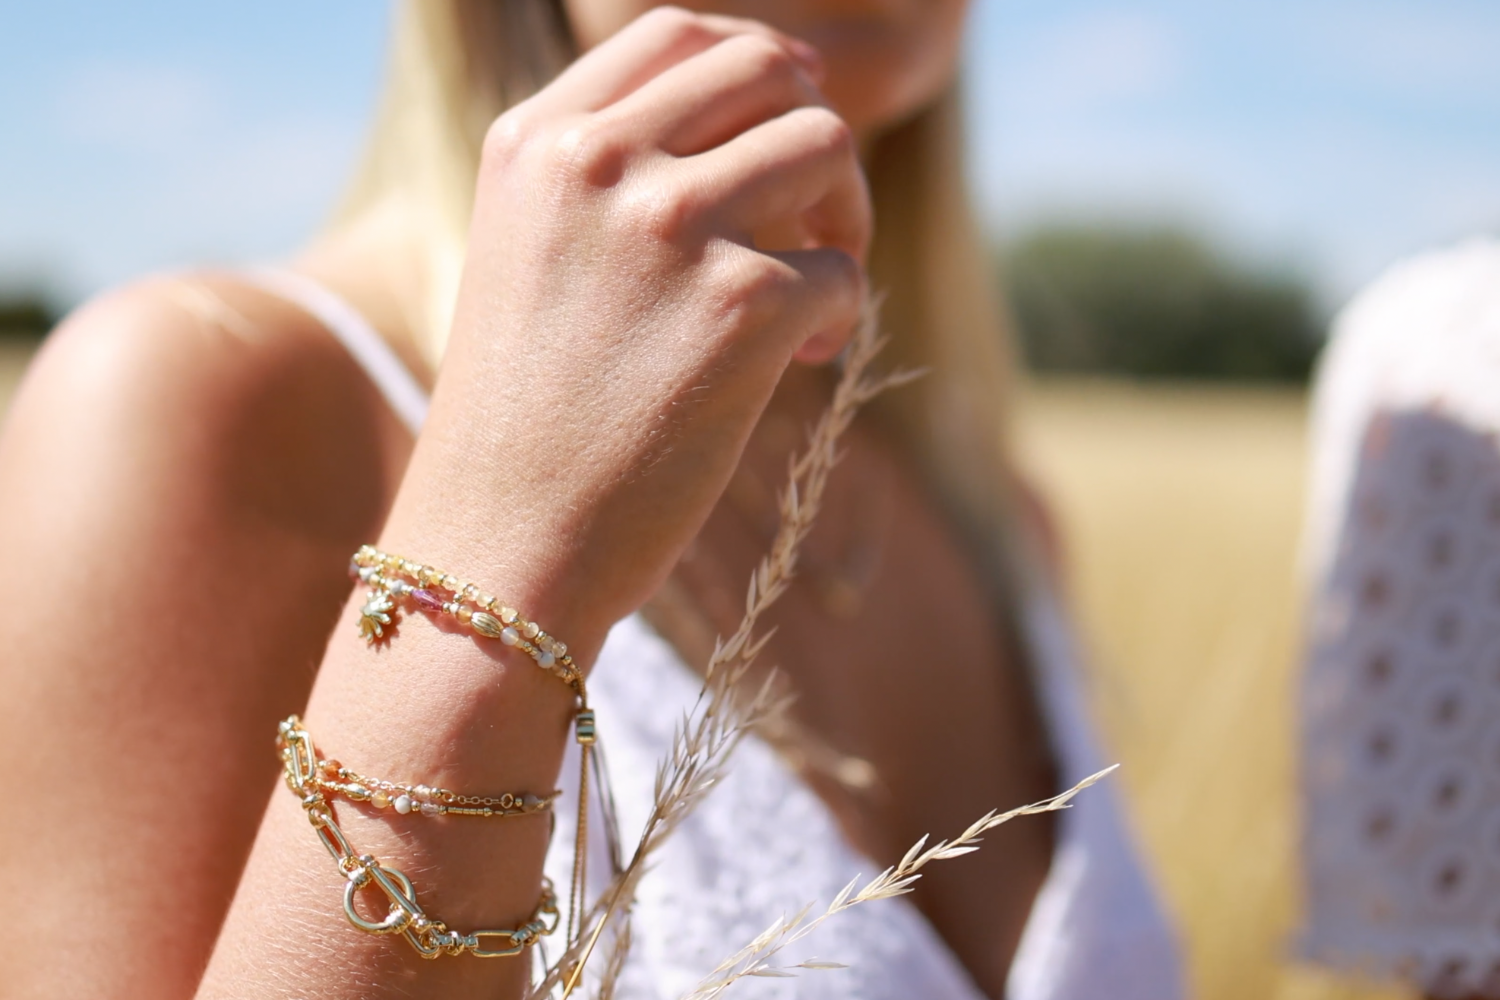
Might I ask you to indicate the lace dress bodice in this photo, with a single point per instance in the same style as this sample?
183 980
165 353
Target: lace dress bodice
763 846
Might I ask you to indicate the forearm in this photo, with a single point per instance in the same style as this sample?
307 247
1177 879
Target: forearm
434 705
616 338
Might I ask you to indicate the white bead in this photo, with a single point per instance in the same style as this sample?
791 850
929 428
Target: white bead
403 804
545 660
510 636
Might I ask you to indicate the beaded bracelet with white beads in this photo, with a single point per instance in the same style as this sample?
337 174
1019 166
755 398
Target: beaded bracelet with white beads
392 578
424 800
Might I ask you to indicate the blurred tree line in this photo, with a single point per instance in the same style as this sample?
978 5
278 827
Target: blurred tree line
25 313
1148 302
1155 302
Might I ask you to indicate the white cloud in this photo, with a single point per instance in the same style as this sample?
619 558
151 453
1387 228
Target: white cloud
295 162
141 168
1098 60
1346 133
247 193
1438 50
134 106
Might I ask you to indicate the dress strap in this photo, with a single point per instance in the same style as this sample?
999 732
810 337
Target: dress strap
405 395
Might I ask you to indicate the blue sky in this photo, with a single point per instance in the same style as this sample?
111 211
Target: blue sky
1327 135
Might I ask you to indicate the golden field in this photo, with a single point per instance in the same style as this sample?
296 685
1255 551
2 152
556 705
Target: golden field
1180 506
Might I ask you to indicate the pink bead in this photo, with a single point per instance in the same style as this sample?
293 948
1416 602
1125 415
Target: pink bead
428 600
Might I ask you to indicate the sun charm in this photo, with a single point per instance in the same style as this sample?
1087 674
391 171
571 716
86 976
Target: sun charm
375 616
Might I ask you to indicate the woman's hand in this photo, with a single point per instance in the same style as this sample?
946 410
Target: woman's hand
657 234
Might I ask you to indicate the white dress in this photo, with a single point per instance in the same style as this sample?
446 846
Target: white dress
762 845
1401 691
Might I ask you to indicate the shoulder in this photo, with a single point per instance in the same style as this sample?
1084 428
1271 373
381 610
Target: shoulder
203 343
1450 293
1425 332
195 396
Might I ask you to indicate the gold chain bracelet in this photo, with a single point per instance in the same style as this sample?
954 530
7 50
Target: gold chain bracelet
392 578
405 916
423 800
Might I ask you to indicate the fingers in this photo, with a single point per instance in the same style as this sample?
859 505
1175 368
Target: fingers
649 45
801 164
711 97
827 293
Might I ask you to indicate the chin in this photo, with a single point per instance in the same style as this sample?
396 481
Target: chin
876 81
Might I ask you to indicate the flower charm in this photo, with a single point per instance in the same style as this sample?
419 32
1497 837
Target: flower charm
375 616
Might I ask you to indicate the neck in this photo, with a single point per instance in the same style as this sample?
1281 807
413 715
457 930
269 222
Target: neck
373 263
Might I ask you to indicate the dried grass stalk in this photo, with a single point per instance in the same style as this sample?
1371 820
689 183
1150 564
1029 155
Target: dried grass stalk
755 959
723 714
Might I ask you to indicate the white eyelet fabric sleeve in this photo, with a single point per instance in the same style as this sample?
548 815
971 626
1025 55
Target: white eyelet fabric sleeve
1400 709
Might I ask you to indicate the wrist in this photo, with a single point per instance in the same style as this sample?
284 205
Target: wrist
453 513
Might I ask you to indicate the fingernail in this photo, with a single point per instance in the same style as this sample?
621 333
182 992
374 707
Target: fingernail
819 349
808 56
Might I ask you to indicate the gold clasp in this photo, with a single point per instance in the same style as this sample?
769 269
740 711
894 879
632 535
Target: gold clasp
397 888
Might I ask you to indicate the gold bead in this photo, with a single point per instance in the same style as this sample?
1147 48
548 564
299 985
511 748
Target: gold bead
486 625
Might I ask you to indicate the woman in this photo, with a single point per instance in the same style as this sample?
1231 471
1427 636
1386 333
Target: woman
660 250
1401 831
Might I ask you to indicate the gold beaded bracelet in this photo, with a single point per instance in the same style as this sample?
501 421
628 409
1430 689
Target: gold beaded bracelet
431 938
423 800
392 579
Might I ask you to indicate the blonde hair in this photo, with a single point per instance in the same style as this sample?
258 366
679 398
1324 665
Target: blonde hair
457 64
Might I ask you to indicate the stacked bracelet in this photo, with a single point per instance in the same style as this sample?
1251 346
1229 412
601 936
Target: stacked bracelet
310 778
393 580
421 800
